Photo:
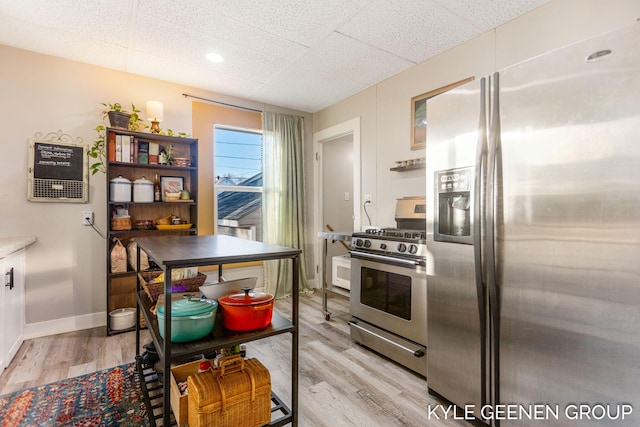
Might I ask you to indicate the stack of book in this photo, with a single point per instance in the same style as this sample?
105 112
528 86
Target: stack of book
130 149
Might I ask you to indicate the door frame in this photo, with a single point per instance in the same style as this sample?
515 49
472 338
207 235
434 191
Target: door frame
350 127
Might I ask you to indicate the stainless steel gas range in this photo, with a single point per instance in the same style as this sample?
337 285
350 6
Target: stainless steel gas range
389 287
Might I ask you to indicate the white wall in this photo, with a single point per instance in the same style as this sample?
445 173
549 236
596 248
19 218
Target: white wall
384 109
66 267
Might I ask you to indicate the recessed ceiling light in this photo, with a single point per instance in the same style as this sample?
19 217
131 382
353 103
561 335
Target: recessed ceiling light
214 57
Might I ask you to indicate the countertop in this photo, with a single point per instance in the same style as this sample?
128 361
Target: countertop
9 245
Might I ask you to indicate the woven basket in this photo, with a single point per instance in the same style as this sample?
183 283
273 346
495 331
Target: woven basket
121 223
156 289
238 394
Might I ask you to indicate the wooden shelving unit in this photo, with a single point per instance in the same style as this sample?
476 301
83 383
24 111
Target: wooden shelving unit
121 286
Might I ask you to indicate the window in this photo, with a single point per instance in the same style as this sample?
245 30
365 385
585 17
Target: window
238 181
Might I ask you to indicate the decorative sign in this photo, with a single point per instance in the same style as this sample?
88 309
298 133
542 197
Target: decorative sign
58 169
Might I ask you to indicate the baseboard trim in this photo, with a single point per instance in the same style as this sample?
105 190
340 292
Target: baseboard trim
61 326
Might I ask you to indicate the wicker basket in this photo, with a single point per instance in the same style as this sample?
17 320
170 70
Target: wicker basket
238 394
121 223
156 289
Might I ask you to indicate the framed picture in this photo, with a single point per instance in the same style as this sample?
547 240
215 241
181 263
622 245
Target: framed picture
419 121
419 114
170 184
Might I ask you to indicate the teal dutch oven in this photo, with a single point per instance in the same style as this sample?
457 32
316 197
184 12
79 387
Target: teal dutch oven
191 319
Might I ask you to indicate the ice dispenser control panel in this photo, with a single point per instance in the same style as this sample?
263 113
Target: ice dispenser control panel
453 211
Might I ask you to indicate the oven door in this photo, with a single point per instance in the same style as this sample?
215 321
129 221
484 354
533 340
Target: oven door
392 297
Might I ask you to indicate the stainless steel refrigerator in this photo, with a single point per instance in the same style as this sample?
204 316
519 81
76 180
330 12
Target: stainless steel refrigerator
533 235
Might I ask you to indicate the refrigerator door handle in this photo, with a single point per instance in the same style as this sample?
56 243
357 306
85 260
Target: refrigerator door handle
493 189
479 203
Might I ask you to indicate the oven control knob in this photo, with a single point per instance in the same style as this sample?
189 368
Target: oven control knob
413 249
367 243
383 246
358 242
402 247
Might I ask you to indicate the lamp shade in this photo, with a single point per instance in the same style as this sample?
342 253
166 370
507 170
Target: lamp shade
154 111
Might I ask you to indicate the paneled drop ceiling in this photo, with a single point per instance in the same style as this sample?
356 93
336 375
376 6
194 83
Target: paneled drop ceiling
301 54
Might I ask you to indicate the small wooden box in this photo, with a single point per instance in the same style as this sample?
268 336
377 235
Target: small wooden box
238 394
179 402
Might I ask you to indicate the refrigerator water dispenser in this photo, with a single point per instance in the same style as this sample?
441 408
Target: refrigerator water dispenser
452 222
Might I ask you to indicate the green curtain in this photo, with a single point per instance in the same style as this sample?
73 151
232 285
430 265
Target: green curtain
283 198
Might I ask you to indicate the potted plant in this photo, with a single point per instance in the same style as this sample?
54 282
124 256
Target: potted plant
121 118
116 116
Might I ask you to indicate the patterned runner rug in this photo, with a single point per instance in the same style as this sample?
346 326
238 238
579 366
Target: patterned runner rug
107 398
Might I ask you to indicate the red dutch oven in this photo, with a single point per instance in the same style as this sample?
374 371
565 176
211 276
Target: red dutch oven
246 310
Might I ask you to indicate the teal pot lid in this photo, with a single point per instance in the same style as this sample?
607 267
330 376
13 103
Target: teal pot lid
190 307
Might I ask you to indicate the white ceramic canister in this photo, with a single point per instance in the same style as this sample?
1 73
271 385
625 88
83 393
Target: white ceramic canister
142 190
122 318
120 189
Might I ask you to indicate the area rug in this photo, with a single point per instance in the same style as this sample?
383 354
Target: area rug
107 398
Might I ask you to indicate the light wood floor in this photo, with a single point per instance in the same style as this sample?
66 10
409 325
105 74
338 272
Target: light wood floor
340 382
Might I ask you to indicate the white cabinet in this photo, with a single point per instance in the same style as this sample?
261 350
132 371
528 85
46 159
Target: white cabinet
12 315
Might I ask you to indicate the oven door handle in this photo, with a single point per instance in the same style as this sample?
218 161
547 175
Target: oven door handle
383 258
417 353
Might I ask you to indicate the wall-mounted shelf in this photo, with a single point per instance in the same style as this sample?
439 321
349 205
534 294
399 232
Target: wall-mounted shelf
407 168
407 165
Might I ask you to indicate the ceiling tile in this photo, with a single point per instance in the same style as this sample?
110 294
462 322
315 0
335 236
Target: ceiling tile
18 33
177 72
341 57
302 21
96 19
291 91
488 14
412 29
204 23
190 49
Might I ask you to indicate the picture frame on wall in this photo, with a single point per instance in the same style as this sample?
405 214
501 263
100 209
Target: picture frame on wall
419 114
419 121
170 184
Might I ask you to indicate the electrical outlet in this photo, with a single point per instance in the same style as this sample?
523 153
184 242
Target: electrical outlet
367 198
87 218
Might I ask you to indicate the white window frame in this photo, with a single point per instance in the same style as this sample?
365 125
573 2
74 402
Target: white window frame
236 188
